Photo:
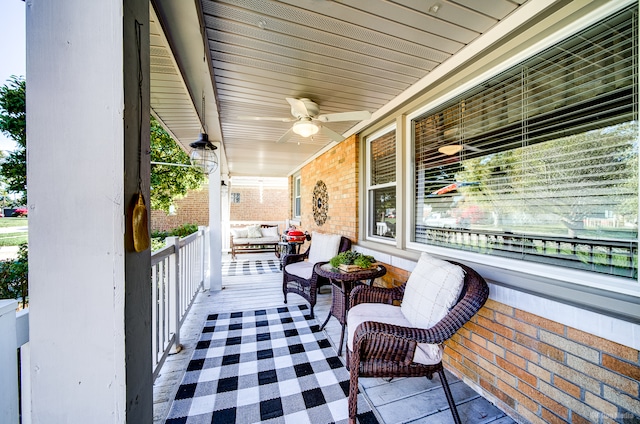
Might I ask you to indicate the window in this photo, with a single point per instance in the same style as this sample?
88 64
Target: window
235 197
297 197
381 185
540 163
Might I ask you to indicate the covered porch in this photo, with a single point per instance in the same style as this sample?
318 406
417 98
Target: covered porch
460 94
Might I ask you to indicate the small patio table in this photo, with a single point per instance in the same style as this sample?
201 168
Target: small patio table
342 282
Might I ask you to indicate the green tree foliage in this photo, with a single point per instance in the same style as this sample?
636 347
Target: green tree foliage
169 182
13 123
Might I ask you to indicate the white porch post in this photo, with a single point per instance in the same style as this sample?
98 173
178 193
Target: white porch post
215 233
90 295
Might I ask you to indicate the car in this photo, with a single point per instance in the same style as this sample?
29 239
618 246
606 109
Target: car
20 212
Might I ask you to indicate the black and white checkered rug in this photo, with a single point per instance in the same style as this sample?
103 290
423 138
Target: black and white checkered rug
265 366
265 266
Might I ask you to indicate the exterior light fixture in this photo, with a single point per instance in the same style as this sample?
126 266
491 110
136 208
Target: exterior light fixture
203 156
305 128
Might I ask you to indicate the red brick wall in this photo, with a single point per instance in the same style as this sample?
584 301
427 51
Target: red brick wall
338 169
191 209
545 372
268 204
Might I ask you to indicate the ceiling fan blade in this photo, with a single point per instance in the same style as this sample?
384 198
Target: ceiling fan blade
359 115
331 134
265 118
286 136
298 106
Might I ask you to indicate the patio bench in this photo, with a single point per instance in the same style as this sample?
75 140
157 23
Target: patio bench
254 239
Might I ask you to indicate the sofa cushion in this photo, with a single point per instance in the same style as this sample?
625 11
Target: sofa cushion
254 241
302 269
254 231
239 232
269 231
323 247
432 289
425 353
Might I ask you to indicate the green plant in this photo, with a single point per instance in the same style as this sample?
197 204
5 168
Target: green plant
14 277
351 257
158 237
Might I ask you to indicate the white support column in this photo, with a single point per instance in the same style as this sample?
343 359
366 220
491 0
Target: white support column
215 233
90 292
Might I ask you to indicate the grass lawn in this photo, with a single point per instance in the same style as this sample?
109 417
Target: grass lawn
13 222
12 238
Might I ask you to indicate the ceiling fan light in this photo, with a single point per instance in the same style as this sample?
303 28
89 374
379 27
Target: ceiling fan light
450 149
305 128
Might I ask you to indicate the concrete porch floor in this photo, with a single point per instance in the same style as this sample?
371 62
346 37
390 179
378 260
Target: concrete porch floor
403 400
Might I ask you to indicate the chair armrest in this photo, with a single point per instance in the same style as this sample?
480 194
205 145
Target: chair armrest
292 258
368 294
388 342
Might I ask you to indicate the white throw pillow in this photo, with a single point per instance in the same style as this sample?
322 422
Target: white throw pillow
269 232
239 232
254 231
432 289
323 247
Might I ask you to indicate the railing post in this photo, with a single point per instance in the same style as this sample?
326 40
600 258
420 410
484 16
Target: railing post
174 293
202 239
8 362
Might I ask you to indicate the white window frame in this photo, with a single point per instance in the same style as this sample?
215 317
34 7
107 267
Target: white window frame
369 220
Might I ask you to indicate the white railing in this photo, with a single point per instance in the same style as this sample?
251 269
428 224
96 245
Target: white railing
177 274
14 337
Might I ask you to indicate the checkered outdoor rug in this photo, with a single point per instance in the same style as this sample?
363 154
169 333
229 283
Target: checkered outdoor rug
265 366
233 268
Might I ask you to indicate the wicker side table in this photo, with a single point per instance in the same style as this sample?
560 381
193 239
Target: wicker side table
341 284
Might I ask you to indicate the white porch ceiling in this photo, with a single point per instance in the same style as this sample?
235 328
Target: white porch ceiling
345 55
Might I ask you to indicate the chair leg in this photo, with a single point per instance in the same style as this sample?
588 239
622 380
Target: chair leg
447 392
353 391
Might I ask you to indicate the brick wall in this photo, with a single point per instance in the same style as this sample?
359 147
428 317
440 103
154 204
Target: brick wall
545 372
193 208
256 204
338 169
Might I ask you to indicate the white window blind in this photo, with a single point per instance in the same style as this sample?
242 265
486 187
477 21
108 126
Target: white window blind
540 163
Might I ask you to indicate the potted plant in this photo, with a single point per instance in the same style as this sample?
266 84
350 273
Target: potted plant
352 261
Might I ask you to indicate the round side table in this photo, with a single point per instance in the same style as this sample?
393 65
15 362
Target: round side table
341 284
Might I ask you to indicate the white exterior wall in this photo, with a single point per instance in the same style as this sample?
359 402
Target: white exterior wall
79 146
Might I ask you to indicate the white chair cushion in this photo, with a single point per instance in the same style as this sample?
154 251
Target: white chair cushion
302 269
426 353
323 247
432 289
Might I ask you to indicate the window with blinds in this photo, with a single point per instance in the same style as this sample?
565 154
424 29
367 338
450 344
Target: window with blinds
540 163
297 197
382 185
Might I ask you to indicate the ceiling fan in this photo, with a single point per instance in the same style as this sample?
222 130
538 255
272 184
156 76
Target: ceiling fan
305 115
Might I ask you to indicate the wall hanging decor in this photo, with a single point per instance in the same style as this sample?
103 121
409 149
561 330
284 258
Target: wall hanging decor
320 203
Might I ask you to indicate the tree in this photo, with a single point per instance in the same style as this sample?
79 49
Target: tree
169 182
13 123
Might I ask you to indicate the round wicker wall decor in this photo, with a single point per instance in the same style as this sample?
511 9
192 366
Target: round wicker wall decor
320 203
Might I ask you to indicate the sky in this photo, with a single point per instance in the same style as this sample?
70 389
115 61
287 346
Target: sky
12 49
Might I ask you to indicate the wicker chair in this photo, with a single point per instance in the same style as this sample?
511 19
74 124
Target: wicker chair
306 285
380 349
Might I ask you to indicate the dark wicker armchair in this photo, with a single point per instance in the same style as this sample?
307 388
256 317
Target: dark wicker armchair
379 349
301 279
